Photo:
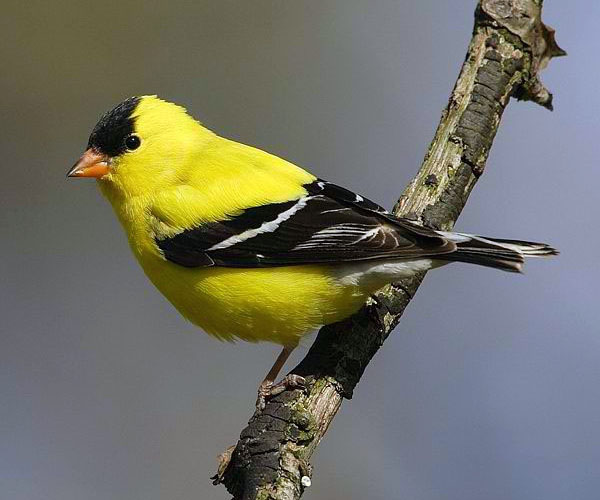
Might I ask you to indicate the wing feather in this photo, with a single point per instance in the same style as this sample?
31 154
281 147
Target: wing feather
329 224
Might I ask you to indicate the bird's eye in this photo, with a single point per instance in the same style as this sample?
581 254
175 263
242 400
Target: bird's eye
132 142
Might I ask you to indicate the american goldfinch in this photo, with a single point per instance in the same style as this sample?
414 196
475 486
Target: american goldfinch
247 245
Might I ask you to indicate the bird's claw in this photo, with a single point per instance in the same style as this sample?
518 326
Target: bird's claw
268 389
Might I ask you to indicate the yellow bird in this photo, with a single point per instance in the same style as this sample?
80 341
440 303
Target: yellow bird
247 245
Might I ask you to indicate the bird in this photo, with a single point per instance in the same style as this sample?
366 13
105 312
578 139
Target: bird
247 245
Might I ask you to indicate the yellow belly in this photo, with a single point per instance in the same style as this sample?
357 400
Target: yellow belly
277 305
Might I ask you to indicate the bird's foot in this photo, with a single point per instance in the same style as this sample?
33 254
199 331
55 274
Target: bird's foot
222 463
268 389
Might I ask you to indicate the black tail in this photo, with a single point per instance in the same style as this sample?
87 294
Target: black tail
508 255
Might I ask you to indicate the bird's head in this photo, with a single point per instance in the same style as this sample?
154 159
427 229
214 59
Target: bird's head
140 145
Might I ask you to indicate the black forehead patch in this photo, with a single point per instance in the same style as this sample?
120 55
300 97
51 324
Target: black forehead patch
110 132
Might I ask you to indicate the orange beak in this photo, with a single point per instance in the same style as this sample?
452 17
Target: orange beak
91 164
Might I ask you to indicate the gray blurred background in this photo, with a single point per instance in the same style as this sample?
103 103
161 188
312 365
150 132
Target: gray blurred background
489 388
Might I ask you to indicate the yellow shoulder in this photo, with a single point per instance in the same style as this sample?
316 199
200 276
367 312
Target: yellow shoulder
224 179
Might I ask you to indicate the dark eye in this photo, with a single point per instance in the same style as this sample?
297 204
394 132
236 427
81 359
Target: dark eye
132 142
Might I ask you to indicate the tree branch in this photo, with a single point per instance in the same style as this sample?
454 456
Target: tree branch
510 45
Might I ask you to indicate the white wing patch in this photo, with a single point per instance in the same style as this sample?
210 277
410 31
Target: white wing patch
265 227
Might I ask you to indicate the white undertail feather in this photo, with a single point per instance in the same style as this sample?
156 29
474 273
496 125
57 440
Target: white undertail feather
365 273
507 255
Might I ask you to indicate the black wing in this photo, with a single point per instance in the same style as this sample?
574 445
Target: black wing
328 225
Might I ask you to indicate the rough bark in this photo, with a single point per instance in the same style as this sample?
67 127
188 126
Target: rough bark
510 45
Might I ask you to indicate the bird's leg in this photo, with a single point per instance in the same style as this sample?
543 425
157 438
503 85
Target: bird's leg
268 388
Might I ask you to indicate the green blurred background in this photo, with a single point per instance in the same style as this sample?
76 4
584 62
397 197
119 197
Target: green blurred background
489 387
